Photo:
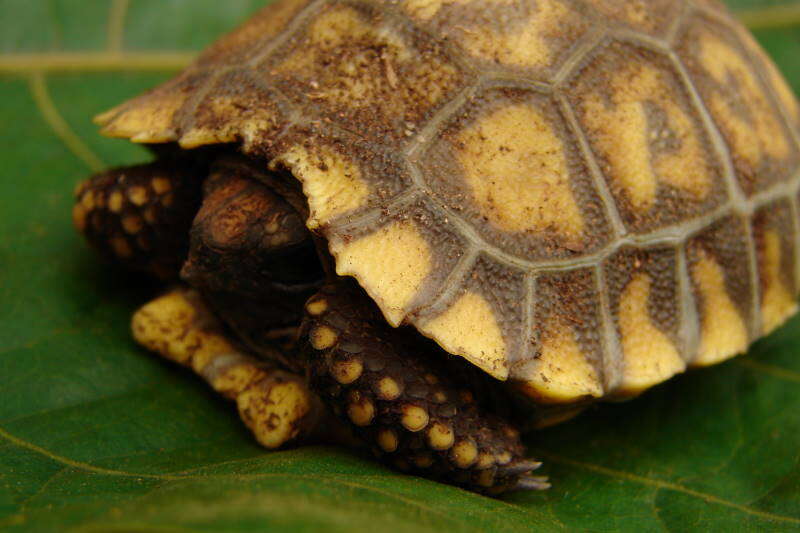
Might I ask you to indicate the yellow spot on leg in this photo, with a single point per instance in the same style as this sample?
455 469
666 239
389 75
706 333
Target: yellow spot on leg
649 356
132 224
464 453
137 195
723 331
121 247
161 185
360 410
440 436
116 202
388 389
387 440
317 307
390 264
414 418
469 328
777 301
323 337
562 374
346 372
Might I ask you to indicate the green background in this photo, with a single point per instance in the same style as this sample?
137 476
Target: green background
96 435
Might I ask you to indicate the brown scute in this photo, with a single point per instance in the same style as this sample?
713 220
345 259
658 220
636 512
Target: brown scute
720 270
530 38
653 17
524 189
254 35
429 424
776 248
647 137
762 149
236 108
365 71
140 216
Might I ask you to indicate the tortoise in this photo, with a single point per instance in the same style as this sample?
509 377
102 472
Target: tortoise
438 223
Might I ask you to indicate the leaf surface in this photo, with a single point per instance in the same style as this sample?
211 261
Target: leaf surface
96 435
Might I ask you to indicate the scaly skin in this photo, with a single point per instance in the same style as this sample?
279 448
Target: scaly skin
139 216
398 393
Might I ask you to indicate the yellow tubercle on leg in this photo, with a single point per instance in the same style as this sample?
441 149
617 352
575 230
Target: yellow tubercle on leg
277 406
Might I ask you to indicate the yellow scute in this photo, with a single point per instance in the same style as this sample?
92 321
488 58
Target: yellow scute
332 184
758 135
562 374
723 331
469 328
649 355
620 132
516 169
390 264
777 301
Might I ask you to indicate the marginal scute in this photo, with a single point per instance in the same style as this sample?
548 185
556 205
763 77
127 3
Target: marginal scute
391 264
516 169
468 327
150 118
777 301
776 243
332 183
562 373
723 330
649 356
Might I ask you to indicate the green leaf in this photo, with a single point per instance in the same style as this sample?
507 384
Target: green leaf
97 435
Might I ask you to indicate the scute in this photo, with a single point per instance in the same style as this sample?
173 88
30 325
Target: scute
582 197
647 137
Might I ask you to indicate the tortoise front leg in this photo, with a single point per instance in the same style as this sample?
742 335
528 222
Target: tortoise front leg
140 216
400 396
276 405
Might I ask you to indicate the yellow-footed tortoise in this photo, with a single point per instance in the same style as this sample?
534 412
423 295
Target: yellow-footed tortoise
446 221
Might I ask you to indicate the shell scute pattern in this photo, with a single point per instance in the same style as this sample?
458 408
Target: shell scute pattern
762 149
481 167
646 137
354 65
529 38
461 160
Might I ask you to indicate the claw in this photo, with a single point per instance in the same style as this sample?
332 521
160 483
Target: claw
522 466
532 483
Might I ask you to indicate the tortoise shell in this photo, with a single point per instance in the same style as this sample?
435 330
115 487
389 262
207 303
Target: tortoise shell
582 196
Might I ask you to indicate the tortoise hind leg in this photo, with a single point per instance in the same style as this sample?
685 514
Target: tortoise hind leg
140 216
276 405
399 397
